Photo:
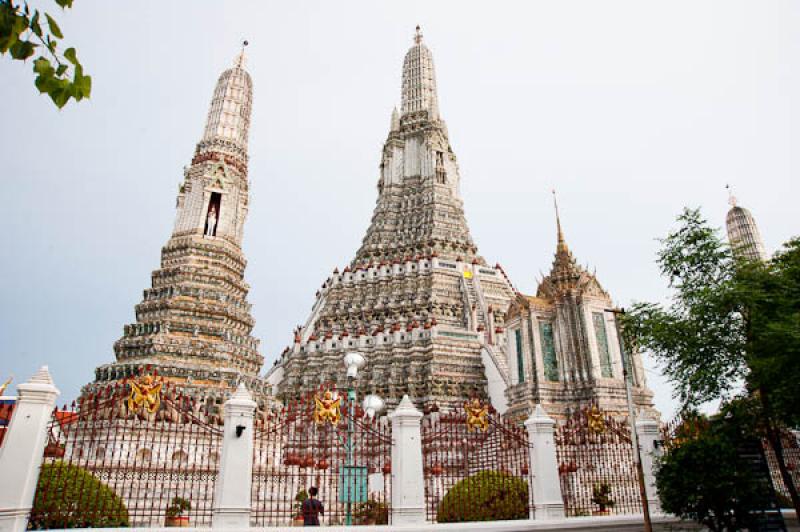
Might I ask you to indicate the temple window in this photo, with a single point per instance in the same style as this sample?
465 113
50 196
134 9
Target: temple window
602 343
213 214
548 351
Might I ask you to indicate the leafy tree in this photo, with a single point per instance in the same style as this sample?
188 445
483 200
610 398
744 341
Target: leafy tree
23 30
68 496
485 496
725 496
731 323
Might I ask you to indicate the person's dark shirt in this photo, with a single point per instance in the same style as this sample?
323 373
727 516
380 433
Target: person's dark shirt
311 509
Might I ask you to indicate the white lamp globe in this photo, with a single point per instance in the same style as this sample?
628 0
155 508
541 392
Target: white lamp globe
354 361
373 405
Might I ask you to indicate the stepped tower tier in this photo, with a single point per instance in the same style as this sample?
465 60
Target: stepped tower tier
562 345
417 299
194 323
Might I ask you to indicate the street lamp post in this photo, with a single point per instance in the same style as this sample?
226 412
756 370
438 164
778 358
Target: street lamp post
373 404
637 454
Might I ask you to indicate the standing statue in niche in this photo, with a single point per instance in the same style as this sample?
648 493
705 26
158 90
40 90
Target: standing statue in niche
211 221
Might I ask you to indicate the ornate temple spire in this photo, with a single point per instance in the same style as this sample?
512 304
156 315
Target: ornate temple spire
566 275
743 234
228 122
419 80
561 242
395 123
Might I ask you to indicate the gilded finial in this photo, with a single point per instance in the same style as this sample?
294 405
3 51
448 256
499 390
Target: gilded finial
5 385
561 241
241 59
418 35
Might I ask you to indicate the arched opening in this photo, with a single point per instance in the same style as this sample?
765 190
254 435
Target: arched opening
213 214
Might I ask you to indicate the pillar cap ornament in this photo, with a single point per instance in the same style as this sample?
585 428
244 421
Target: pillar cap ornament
405 409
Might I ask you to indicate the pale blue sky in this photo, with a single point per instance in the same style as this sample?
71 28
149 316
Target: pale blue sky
630 109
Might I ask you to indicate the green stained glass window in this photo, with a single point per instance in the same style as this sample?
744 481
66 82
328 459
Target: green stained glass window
602 343
520 367
548 351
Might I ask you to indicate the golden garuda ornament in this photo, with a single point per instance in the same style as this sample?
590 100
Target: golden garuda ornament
326 409
477 415
594 420
145 393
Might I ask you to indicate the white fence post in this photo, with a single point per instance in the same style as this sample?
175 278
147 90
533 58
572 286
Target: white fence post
545 491
232 490
23 449
408 482
647 430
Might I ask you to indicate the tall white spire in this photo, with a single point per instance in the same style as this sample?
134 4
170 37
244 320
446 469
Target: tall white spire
743 234
229 115
419 80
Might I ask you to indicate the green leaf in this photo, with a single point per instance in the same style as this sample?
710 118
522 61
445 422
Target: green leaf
22 50
54 29
64 3
35 26
60 70
71 56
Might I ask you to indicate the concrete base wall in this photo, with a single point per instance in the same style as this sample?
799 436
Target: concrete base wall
593 524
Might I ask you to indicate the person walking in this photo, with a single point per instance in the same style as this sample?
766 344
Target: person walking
312 508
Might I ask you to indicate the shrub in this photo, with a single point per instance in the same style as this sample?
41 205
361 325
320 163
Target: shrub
371 511
178 506
68 496
705 478
485 496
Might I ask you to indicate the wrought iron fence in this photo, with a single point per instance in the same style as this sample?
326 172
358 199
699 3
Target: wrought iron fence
324 441
596 465
476 465
114 459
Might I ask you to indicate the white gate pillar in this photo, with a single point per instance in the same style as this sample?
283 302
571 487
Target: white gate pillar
408 482
23 449
647 431
545 491
232 490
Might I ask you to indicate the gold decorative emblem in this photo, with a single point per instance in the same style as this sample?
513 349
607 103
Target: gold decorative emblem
595 421
467 274
477 415
145 393
326 409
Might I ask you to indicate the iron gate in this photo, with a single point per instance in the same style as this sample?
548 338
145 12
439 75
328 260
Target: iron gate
596 465
326 441
476 465
124 454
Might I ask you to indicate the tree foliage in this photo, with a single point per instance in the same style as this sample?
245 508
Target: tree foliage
730 322
58 74
485 496
68 496
705 478
700 336
732 325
